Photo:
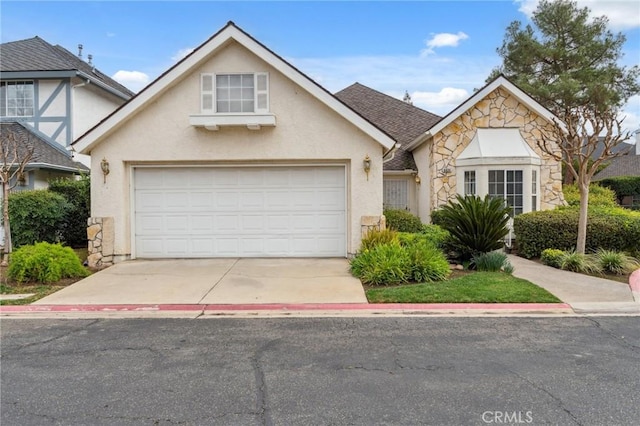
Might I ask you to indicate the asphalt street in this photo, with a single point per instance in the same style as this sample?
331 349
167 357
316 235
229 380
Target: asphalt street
321 371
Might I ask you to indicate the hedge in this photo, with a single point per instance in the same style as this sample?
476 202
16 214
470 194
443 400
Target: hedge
37 215
622 185
402 221
78 194
607 228
598 195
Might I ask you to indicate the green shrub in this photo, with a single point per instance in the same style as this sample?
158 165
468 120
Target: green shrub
476 225
598 195
36 216
78 195
383 265
428 263
622 185
552 257
45 263
578 262
402 221
377 237
435 234
615 262
493 261
611 228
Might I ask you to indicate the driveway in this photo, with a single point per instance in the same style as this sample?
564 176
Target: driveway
215 281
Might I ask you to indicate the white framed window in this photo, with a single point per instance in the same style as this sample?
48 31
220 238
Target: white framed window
16 99
395 194
470 182
234 93
534 190
508 185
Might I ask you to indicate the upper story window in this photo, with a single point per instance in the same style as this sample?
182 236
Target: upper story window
245 93
16 98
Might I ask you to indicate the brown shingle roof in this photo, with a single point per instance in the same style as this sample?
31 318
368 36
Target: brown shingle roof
35 54
626 165
402 121
43 151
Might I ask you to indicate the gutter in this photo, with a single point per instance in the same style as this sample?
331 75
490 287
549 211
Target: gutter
102 85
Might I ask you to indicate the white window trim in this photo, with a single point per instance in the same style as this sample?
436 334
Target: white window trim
210 119
482 180
6 99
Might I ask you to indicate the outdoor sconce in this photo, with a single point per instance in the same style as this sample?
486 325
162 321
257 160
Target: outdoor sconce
366 165
417 179
104 165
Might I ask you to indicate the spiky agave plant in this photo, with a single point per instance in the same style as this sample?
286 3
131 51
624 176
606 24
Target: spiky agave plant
477 225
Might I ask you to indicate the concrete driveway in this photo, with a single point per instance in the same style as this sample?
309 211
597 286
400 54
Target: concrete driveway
215 281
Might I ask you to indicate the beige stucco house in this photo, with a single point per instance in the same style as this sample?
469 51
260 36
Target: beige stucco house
232 152
487 145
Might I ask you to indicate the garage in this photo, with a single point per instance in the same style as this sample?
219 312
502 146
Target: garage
279 211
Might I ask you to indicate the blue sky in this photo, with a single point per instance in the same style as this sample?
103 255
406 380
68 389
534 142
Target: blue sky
438 51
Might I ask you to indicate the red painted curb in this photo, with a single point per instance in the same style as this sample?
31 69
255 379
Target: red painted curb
287 307
634 281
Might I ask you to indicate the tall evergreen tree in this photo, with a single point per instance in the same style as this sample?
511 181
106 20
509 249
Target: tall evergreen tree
569 63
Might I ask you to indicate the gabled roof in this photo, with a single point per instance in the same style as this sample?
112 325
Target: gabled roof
36 56
626 165
499 82
45 155
401 120
228 33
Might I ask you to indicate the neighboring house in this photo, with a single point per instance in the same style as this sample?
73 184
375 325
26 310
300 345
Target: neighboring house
625 165
487 145
402 121
233 152
56 96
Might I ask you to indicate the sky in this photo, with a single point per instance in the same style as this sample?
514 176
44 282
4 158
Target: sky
437 51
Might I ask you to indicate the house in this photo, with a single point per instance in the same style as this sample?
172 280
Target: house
487 145
55 96
624 165
402 121
233 152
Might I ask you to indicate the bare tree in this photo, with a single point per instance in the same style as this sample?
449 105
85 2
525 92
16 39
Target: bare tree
16 150
581 134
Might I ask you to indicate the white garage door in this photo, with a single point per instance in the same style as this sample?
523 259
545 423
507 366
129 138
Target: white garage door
240 211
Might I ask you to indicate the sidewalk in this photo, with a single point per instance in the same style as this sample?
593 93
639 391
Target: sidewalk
585 294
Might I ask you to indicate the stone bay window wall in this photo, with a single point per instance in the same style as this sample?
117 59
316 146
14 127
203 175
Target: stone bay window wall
499 109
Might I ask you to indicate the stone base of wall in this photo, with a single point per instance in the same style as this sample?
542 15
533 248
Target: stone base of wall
368 223
100 235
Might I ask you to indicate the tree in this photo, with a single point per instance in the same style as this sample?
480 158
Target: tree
569 63
16 150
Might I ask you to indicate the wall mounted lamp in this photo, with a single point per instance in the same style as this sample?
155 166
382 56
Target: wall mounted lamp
417 179
366 165
104 165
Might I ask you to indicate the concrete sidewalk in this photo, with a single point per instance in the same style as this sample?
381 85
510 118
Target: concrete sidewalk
584 293
215 281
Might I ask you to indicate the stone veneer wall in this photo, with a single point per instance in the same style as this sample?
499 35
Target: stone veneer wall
100 235
498 109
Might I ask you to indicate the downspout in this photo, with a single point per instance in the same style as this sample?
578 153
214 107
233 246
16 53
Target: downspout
391 151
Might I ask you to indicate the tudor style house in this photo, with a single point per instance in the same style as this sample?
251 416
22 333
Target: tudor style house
51 96
233 152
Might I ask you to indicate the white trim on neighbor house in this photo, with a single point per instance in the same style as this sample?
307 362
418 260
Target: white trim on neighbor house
85 143
132 187
502 82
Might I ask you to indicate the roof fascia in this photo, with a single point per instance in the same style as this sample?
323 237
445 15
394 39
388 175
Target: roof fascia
85 143
501 81
10 75
49 166
102 85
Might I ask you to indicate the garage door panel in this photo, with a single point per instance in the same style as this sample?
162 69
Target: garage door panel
244 211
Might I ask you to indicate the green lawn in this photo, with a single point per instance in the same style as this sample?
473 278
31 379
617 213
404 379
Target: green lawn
478 287
38 290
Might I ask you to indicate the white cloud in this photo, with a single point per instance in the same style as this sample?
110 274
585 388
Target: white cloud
444 40
111 35
134 80
622 14
445 100
181 54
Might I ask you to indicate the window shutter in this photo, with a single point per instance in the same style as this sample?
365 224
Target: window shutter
262 92
206 87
